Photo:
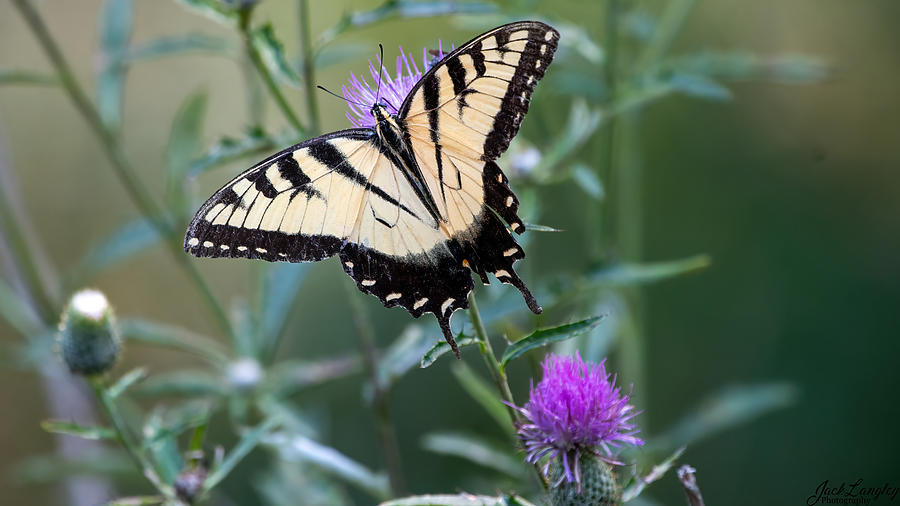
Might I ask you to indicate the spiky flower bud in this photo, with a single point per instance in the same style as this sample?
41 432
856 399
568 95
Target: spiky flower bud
89 341
598 484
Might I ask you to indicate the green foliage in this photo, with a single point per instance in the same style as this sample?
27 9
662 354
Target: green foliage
235 390
544 337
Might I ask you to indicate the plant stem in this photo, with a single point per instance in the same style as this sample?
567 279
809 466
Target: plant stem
309 66
380 395
132 447
113 150
256 58
24 261
490 359
499 376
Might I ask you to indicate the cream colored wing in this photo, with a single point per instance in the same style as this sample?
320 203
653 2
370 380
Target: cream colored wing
307 202
459 118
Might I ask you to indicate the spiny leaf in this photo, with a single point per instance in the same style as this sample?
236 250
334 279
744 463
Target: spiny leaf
272 52
475 449
543 337
293 447
18 76
247 443
441 348
74 429
649 272
115 32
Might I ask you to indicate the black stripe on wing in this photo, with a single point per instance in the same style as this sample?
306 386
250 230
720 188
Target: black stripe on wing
205 239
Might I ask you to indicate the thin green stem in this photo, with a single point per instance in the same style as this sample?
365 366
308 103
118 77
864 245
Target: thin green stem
381 404
116 155
268 80
24 261
309 66
498 375
132 447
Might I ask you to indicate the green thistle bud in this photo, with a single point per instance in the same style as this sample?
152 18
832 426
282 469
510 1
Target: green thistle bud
88 338
598 485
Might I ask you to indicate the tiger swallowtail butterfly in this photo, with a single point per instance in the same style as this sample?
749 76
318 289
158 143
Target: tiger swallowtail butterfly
411 205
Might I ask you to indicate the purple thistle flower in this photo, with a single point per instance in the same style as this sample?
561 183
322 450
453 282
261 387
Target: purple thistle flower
575 409
361 96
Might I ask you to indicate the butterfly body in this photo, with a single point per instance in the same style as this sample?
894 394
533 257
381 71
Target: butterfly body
412 205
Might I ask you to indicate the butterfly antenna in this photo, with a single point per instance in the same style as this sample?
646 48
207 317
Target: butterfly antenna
380 71
345 99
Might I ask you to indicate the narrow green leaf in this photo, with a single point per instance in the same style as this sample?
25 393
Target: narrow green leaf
158 334
116 24
138 500
587 180
401 9
247 443
178 45
730 407
441 348
743 65
482 393
227 150
188 382
26 77
272 52
216 10
543 337
634 489
130 239
293 447
280 288
185 144
699 86
74 429
17 312
451 500
475 449
650 272
403 354
161 445
172 422
97 461
533 227
582 123
126 382
289 376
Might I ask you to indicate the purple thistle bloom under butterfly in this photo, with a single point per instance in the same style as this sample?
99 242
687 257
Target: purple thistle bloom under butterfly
575 409
361 96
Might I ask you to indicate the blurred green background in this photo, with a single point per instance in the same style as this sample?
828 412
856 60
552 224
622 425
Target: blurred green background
792 190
